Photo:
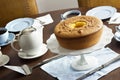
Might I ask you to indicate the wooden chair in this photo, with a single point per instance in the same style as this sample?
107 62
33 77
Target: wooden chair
12 9
94 3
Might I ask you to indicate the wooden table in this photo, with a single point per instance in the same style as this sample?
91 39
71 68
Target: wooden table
39 74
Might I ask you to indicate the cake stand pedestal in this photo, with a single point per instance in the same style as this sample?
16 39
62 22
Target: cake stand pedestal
84 63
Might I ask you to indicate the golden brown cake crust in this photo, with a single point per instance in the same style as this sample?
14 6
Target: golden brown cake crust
80 43
64 29
79 32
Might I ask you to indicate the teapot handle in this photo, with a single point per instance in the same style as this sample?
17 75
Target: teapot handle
12 45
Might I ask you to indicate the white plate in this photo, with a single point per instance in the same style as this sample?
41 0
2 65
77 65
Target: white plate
4 60
10 39
41 52
102 12
19 24
54 46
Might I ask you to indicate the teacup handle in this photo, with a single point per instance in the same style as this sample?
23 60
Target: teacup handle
117 28
12 45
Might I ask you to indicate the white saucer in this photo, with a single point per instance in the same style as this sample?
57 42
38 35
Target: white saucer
10 39
54 46
42 51
4 59
19 24
102 12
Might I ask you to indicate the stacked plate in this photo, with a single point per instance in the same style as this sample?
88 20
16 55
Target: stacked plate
19 24
102 12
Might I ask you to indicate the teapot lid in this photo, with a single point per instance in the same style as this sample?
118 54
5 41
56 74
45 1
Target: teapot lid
28 30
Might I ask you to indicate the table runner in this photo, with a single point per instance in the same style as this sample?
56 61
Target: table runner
61 68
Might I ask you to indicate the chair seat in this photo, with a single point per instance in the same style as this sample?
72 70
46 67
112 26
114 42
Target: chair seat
95 3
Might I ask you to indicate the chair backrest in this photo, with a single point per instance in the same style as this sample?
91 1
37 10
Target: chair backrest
12 9
94 3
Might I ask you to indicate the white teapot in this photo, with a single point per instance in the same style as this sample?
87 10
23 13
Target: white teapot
30 39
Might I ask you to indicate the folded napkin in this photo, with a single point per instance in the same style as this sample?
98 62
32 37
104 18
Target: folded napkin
115 19
39 22
61 68
47 19
43 20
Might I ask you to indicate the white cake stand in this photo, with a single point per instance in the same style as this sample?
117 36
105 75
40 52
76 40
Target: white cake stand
83 62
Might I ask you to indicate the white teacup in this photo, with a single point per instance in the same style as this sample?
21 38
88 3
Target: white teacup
70 13
30 41
3 35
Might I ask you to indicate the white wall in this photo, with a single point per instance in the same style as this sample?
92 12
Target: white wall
50 5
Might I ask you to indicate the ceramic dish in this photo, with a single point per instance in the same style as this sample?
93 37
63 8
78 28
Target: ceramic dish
10 39
102 12
54 46
42 51
70 14
4 60
19 24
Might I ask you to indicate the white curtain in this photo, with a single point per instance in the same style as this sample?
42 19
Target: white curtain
50 5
